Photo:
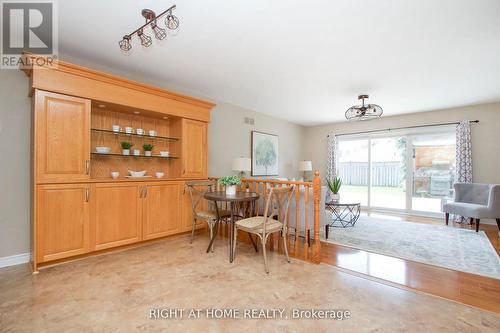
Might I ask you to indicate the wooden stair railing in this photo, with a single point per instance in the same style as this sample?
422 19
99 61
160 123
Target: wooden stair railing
260 185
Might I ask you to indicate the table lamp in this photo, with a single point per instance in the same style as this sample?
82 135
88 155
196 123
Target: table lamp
305 166
242 164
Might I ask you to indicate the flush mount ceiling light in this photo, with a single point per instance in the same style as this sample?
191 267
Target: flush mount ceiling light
363 111
171 22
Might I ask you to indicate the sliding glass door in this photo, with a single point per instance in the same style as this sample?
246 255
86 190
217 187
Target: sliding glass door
353 169
412 171
388 173
433 170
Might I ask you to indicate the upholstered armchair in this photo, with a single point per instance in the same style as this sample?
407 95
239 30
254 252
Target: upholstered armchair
476 201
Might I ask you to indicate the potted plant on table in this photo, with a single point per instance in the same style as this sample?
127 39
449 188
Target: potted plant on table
148 148
126 147
334 186
230 182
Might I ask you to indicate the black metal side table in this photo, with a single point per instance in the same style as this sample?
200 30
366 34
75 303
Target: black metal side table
343 214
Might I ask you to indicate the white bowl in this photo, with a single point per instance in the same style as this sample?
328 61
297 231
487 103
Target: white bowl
137 173
103 150
160 174
164 153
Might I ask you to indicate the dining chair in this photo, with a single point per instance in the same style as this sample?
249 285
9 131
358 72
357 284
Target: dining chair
197 190
273 220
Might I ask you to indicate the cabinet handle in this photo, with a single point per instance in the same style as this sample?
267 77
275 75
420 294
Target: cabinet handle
141 193
145 191
87 194
87 167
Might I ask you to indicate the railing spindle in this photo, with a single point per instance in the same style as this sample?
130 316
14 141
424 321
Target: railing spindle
297 204
306 199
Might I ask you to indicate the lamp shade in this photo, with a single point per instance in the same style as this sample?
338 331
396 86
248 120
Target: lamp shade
242 164
305 166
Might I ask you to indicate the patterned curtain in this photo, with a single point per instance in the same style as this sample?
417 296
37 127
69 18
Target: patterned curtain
331 161
463 173
464 153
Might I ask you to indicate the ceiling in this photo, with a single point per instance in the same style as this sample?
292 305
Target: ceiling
304 61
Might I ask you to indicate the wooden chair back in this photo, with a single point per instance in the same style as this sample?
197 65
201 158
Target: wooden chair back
277 205
197 190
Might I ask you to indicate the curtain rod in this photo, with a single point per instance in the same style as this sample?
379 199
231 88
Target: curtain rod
399 128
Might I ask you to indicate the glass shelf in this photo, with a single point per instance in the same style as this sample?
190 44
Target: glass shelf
143 156
134 134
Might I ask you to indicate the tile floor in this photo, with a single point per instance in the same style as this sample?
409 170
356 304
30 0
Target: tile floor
115 292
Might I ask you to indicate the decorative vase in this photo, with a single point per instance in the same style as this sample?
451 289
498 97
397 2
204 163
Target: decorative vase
335 196
147 153
126 151
231 190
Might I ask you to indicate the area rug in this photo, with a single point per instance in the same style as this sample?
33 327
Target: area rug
458 249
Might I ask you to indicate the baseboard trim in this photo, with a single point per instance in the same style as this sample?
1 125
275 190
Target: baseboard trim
16 259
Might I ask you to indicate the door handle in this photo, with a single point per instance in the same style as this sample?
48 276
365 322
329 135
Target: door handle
87 194
87 167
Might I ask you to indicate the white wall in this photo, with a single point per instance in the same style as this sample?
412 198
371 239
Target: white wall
485 136
14 163
228 138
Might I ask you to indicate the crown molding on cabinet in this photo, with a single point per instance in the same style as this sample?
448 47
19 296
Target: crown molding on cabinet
70 79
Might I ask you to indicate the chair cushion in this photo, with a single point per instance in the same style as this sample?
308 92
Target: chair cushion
212 214
255 224
467 210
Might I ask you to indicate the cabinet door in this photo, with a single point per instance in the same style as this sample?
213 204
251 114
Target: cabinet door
62 137
194 151
162 210
116 215
62 221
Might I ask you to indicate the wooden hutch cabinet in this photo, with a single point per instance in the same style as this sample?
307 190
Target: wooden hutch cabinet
63 216
62 137
78 208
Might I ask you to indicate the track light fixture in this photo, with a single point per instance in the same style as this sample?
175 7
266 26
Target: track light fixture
145 39
171 22
125 43
159 32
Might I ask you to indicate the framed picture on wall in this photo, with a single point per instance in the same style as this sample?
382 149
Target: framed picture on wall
264 154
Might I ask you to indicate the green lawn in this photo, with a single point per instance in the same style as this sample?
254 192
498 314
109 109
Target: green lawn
390 197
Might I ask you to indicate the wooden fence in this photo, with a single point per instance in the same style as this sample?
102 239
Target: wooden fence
261 187
387 174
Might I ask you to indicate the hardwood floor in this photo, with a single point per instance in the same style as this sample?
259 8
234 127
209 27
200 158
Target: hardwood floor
473 290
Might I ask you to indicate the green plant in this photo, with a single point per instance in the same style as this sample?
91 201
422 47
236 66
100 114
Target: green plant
334 184
230 180
148 147
126 145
